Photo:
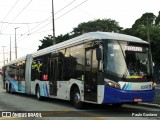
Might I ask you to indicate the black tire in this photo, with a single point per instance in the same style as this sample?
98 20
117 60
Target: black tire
38 95
7 89
10 89
4 87
75 99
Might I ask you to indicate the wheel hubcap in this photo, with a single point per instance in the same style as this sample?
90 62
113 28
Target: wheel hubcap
38 94
76 98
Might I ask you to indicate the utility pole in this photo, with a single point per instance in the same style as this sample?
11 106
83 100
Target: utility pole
3 55
148 34
53 23
16 43
149 41
10 50
7 60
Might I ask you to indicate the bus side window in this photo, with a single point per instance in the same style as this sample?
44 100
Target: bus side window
73 63
60 66
77 57
66 71
66 65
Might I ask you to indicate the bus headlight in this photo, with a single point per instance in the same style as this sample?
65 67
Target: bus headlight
154 84
112 84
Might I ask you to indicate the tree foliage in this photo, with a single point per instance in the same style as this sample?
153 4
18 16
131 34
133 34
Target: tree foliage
46 42
147 27
107 25
157 21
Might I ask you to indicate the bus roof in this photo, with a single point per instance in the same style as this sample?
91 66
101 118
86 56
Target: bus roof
113 36
86 38
90 37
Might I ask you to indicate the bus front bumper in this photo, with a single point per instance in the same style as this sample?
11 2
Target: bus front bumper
112 95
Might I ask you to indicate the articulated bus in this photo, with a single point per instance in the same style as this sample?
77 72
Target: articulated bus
96 67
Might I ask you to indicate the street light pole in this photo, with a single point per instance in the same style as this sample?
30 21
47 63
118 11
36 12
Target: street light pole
3 55
10 51
53 23
16 43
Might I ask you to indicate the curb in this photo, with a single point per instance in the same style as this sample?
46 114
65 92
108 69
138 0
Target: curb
149 105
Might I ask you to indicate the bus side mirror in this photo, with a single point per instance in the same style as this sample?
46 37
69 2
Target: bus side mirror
98 54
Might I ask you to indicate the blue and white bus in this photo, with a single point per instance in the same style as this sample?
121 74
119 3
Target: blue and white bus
96 67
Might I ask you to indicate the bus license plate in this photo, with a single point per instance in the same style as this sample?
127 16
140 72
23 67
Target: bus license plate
137 99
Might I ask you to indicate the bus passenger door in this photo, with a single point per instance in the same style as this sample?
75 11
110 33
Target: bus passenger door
90 81
53 72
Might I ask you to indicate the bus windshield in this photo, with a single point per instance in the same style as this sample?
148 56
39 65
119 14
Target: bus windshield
126 61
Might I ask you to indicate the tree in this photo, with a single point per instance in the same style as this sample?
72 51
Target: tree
146 19
62 38
147 27
106 25
46 42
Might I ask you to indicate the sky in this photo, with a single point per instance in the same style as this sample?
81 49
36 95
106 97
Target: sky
33 19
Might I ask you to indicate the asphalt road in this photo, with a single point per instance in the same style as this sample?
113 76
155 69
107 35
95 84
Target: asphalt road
23 105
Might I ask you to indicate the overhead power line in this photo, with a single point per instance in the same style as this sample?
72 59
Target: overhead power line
46 20
50 17
36 22
36 31
72 9
64 7
58 17
20 12
4 22
63 14
9 12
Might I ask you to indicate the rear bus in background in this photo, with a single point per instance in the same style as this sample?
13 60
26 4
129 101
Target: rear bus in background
96 67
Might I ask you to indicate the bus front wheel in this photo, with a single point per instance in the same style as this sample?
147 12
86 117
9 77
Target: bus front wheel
75 98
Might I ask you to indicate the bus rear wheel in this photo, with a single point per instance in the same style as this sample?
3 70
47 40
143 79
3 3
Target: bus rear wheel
7 88
10 89
38 94
75 99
